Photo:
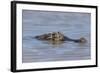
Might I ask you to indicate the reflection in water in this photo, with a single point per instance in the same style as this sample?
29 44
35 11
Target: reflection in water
73 25
54 42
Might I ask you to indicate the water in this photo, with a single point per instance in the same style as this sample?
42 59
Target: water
71 24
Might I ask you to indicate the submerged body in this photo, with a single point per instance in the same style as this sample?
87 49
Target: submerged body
57 36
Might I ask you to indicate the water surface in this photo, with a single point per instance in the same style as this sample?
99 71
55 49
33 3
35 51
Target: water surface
71 24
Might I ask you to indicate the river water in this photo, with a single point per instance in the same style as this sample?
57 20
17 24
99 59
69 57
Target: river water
71 24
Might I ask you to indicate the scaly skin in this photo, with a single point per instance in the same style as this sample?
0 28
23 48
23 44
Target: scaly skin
57 36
